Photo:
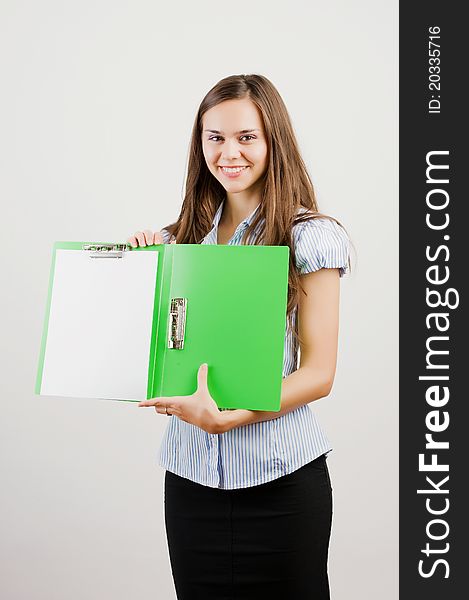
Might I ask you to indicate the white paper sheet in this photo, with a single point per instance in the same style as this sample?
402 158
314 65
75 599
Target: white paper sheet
100 323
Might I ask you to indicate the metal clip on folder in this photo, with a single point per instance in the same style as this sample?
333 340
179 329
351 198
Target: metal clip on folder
106 250
177 323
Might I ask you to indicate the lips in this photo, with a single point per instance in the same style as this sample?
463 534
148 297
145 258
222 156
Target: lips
233 171
231 167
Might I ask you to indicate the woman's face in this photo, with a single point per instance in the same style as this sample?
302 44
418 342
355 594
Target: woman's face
234 144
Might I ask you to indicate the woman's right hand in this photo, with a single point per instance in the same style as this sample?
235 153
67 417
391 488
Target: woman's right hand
145 238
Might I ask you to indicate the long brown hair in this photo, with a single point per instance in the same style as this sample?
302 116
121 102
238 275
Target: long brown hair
287 185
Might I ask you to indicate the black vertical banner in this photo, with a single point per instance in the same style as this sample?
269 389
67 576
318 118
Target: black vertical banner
434 267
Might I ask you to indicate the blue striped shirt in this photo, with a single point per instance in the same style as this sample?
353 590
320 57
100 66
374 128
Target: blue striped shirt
259 452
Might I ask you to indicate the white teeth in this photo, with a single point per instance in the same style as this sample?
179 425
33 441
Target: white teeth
232 169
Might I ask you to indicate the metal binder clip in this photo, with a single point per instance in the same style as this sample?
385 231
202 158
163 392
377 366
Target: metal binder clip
177 323
106 250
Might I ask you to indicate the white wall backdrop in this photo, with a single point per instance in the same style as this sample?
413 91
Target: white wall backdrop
97 104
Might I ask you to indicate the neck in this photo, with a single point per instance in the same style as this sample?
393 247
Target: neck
239 206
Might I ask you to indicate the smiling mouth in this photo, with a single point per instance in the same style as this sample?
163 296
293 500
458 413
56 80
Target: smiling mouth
233 169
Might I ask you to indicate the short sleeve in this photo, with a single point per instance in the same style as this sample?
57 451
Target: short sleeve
167 237
321 244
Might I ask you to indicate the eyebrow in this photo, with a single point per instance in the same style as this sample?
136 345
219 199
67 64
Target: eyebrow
242 130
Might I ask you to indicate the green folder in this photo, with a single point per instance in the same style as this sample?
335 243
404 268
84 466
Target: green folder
132 324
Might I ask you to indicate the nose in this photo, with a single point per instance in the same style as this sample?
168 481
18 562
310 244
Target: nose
230 149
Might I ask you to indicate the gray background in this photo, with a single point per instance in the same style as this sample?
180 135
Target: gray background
97 104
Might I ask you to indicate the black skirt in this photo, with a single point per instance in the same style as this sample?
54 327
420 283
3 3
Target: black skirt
266 541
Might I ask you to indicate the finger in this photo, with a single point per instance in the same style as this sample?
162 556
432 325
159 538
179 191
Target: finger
140 238
157 238
160 401
202 375
132 241
148 237
151 402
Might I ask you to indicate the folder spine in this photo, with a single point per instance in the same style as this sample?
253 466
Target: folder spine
160 322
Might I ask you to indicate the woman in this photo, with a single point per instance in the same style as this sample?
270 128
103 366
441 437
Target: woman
248 499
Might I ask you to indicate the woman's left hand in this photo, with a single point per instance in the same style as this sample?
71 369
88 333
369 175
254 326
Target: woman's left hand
198 409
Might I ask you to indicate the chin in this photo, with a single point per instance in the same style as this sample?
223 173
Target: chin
236 185
233 189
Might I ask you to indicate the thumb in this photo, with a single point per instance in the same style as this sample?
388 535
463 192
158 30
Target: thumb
202 375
